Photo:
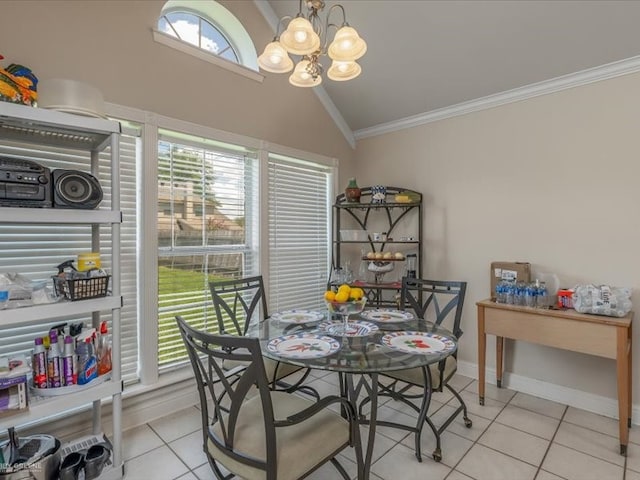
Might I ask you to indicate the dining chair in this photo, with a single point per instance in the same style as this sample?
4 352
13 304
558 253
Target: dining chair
237 303
260 433
440 302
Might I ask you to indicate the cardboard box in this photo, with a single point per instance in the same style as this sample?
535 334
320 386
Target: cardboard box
518 271
13 384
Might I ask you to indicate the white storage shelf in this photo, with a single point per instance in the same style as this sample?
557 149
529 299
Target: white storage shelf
16 317
49 128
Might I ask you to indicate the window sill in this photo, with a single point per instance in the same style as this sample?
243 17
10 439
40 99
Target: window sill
189 49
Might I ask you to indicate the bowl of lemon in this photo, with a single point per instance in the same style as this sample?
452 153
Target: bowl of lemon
346 300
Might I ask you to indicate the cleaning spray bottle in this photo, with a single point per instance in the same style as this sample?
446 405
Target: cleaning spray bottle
87 364
104 350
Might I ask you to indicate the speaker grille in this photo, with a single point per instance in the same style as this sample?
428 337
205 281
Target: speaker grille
75 189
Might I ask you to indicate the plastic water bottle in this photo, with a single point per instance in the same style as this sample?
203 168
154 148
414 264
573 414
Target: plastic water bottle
511 292
4 298
530 295
542 300
500 295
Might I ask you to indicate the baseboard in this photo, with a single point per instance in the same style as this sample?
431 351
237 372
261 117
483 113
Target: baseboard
590 402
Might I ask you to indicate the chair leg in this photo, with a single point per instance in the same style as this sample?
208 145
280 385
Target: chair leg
216 470
467 421
340 469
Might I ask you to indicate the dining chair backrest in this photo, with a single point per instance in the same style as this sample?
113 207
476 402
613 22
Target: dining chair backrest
237 302
437 301
207 353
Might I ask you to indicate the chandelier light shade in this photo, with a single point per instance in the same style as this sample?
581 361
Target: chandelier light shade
299 37
342 71
347 45
302 76
275 59
308 37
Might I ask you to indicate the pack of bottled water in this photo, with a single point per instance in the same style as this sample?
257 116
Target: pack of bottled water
602 300
533 294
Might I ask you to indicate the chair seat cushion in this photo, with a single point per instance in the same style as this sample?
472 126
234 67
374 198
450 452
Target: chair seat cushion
300 447
414 375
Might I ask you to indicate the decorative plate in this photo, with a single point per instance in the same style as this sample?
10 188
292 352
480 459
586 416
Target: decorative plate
298 316
303 345
387 315
418 342
354 328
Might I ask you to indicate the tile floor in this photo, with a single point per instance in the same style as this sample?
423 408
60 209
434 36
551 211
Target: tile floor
514 437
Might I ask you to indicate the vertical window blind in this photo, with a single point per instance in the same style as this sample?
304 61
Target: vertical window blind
299 238
207 230
34 251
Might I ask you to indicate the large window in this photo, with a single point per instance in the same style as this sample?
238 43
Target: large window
207 230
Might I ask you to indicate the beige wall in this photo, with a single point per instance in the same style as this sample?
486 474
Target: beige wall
109 44
553 180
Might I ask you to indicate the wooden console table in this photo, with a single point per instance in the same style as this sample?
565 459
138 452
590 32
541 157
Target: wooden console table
608 337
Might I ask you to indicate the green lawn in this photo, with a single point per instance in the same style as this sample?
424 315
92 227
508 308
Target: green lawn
186 293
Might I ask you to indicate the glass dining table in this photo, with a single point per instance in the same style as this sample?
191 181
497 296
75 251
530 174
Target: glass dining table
378 341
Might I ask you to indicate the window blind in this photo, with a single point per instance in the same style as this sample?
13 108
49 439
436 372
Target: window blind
34 251
207 230
299 239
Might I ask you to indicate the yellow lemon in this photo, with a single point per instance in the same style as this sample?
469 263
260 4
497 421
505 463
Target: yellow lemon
329 295
357 293
344 288
342 296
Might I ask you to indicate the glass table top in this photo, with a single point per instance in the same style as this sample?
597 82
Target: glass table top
370 346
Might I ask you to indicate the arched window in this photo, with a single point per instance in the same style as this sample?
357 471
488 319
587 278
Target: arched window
208 31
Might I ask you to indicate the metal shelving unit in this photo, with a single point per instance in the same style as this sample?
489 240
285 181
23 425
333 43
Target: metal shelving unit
48 128
391 215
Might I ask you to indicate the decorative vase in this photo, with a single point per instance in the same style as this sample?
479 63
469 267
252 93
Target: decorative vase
352 192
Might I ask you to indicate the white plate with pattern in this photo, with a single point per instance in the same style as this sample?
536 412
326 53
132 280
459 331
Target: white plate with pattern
298 317
303 345
418 342
387 315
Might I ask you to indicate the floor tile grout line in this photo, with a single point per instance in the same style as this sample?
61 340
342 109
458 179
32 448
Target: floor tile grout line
566 408
475 442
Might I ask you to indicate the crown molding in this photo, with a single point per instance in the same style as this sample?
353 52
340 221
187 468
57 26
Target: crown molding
572 80
272 19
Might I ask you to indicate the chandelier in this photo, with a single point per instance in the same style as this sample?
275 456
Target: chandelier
308 37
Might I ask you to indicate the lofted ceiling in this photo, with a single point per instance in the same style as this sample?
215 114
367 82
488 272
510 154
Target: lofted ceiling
428 56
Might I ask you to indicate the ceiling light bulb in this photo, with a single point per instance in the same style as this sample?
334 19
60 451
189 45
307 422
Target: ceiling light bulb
343 66
275 59
300 36
347 45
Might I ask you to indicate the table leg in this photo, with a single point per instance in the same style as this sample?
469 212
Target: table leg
623 370
482 349
499 357
353 393
630 376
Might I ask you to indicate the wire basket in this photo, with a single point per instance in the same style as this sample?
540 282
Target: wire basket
81 288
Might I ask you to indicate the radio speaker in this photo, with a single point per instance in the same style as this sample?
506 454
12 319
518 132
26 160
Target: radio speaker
75 189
